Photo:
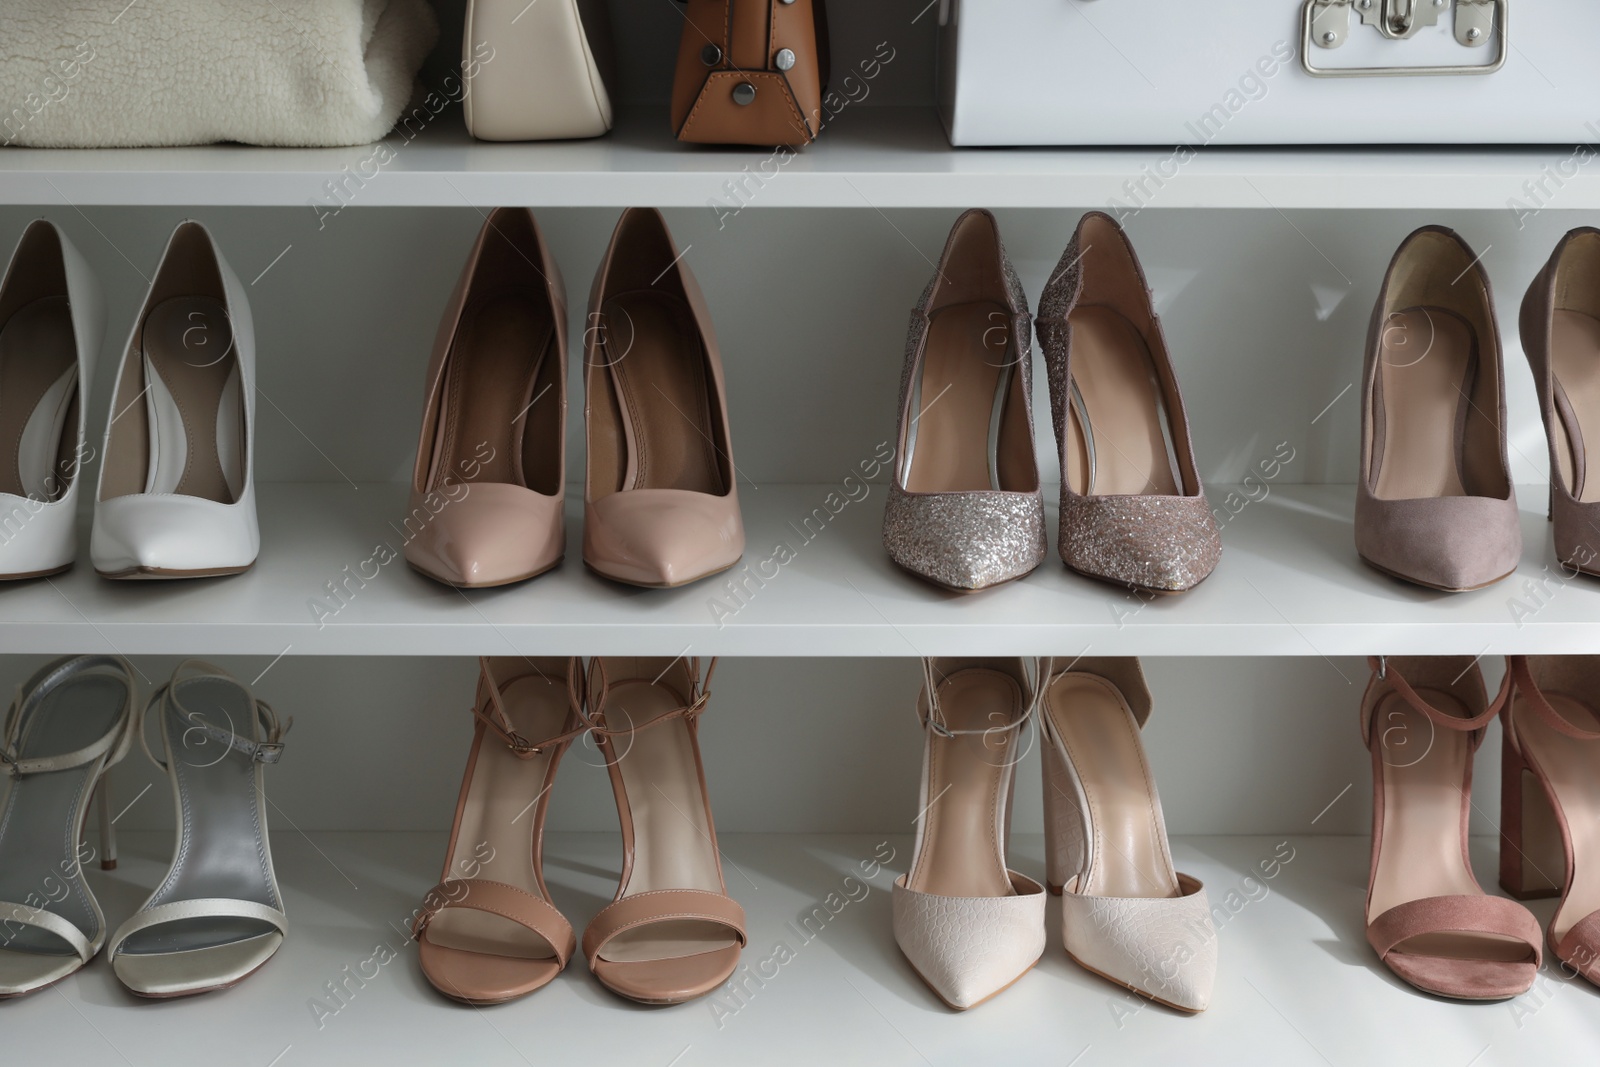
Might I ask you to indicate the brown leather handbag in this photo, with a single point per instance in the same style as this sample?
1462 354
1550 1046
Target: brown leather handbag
751 72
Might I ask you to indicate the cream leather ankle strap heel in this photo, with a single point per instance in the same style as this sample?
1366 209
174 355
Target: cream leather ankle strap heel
1127 915
969 926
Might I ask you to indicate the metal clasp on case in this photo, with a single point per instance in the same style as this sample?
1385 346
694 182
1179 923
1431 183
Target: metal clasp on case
1325 24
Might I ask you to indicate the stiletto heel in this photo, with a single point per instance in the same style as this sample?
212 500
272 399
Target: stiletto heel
487 933
1533 864
71 721
52 318
672 933
1427 917
964 509
1434 501
102 818
218 915
969 926
1133 509
1126 913
1552 725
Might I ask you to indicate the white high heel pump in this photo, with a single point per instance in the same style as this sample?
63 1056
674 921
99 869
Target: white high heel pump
52 319
177 491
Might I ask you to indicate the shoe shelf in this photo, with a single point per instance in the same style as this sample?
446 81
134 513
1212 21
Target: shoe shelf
822 983
871 157
330 581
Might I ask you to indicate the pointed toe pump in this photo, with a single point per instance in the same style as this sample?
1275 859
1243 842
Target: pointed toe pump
1423 718
968 925
177 494
1126 914
217 917
660 504
52 319
1133 510
1550 800
488 933
672 933
1560 326
1434 503
964 510
71 722
488 491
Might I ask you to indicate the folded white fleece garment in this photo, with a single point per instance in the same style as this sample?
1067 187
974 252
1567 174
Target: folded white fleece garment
98 74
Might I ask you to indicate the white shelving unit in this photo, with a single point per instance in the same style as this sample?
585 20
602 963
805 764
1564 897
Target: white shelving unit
1298 985
812 583
1264 264
870 157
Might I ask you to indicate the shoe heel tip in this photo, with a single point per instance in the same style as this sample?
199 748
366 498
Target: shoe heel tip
1529 893
108 865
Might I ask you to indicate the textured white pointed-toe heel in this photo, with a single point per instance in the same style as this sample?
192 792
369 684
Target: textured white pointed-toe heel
218 915
968 926
52 319
177 492
1126 914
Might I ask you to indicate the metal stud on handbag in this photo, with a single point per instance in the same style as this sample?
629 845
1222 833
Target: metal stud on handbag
751 72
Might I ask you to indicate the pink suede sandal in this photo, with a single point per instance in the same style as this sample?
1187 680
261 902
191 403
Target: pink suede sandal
1427 917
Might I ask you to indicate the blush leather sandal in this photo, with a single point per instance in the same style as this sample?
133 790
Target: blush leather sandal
964 509
1550 799
217 917
660 504
1133 510
177 496
672 933
487 933
1127 915
1560 327
1427 917
488 492
1434 502
69 724
969 926
52 318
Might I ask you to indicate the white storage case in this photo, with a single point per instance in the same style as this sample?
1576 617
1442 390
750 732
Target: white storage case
1240 72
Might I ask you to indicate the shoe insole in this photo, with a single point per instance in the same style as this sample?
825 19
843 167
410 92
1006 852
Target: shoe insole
223 851
38 387
500 818
651 349
959 400
1575 365
1426 366
1573 767
962 853
672 843
1419 852
490 393
40 828
193 401
1128 855
1124 447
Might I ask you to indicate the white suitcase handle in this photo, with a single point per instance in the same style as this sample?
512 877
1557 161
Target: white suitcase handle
1325 24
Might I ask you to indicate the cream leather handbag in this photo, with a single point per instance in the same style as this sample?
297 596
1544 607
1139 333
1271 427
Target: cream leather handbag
536 72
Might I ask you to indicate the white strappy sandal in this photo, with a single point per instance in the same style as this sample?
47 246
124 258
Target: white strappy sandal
218 915
69 724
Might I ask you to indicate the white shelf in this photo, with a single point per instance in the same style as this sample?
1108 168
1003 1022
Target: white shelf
1289 584
883 157
1297 983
